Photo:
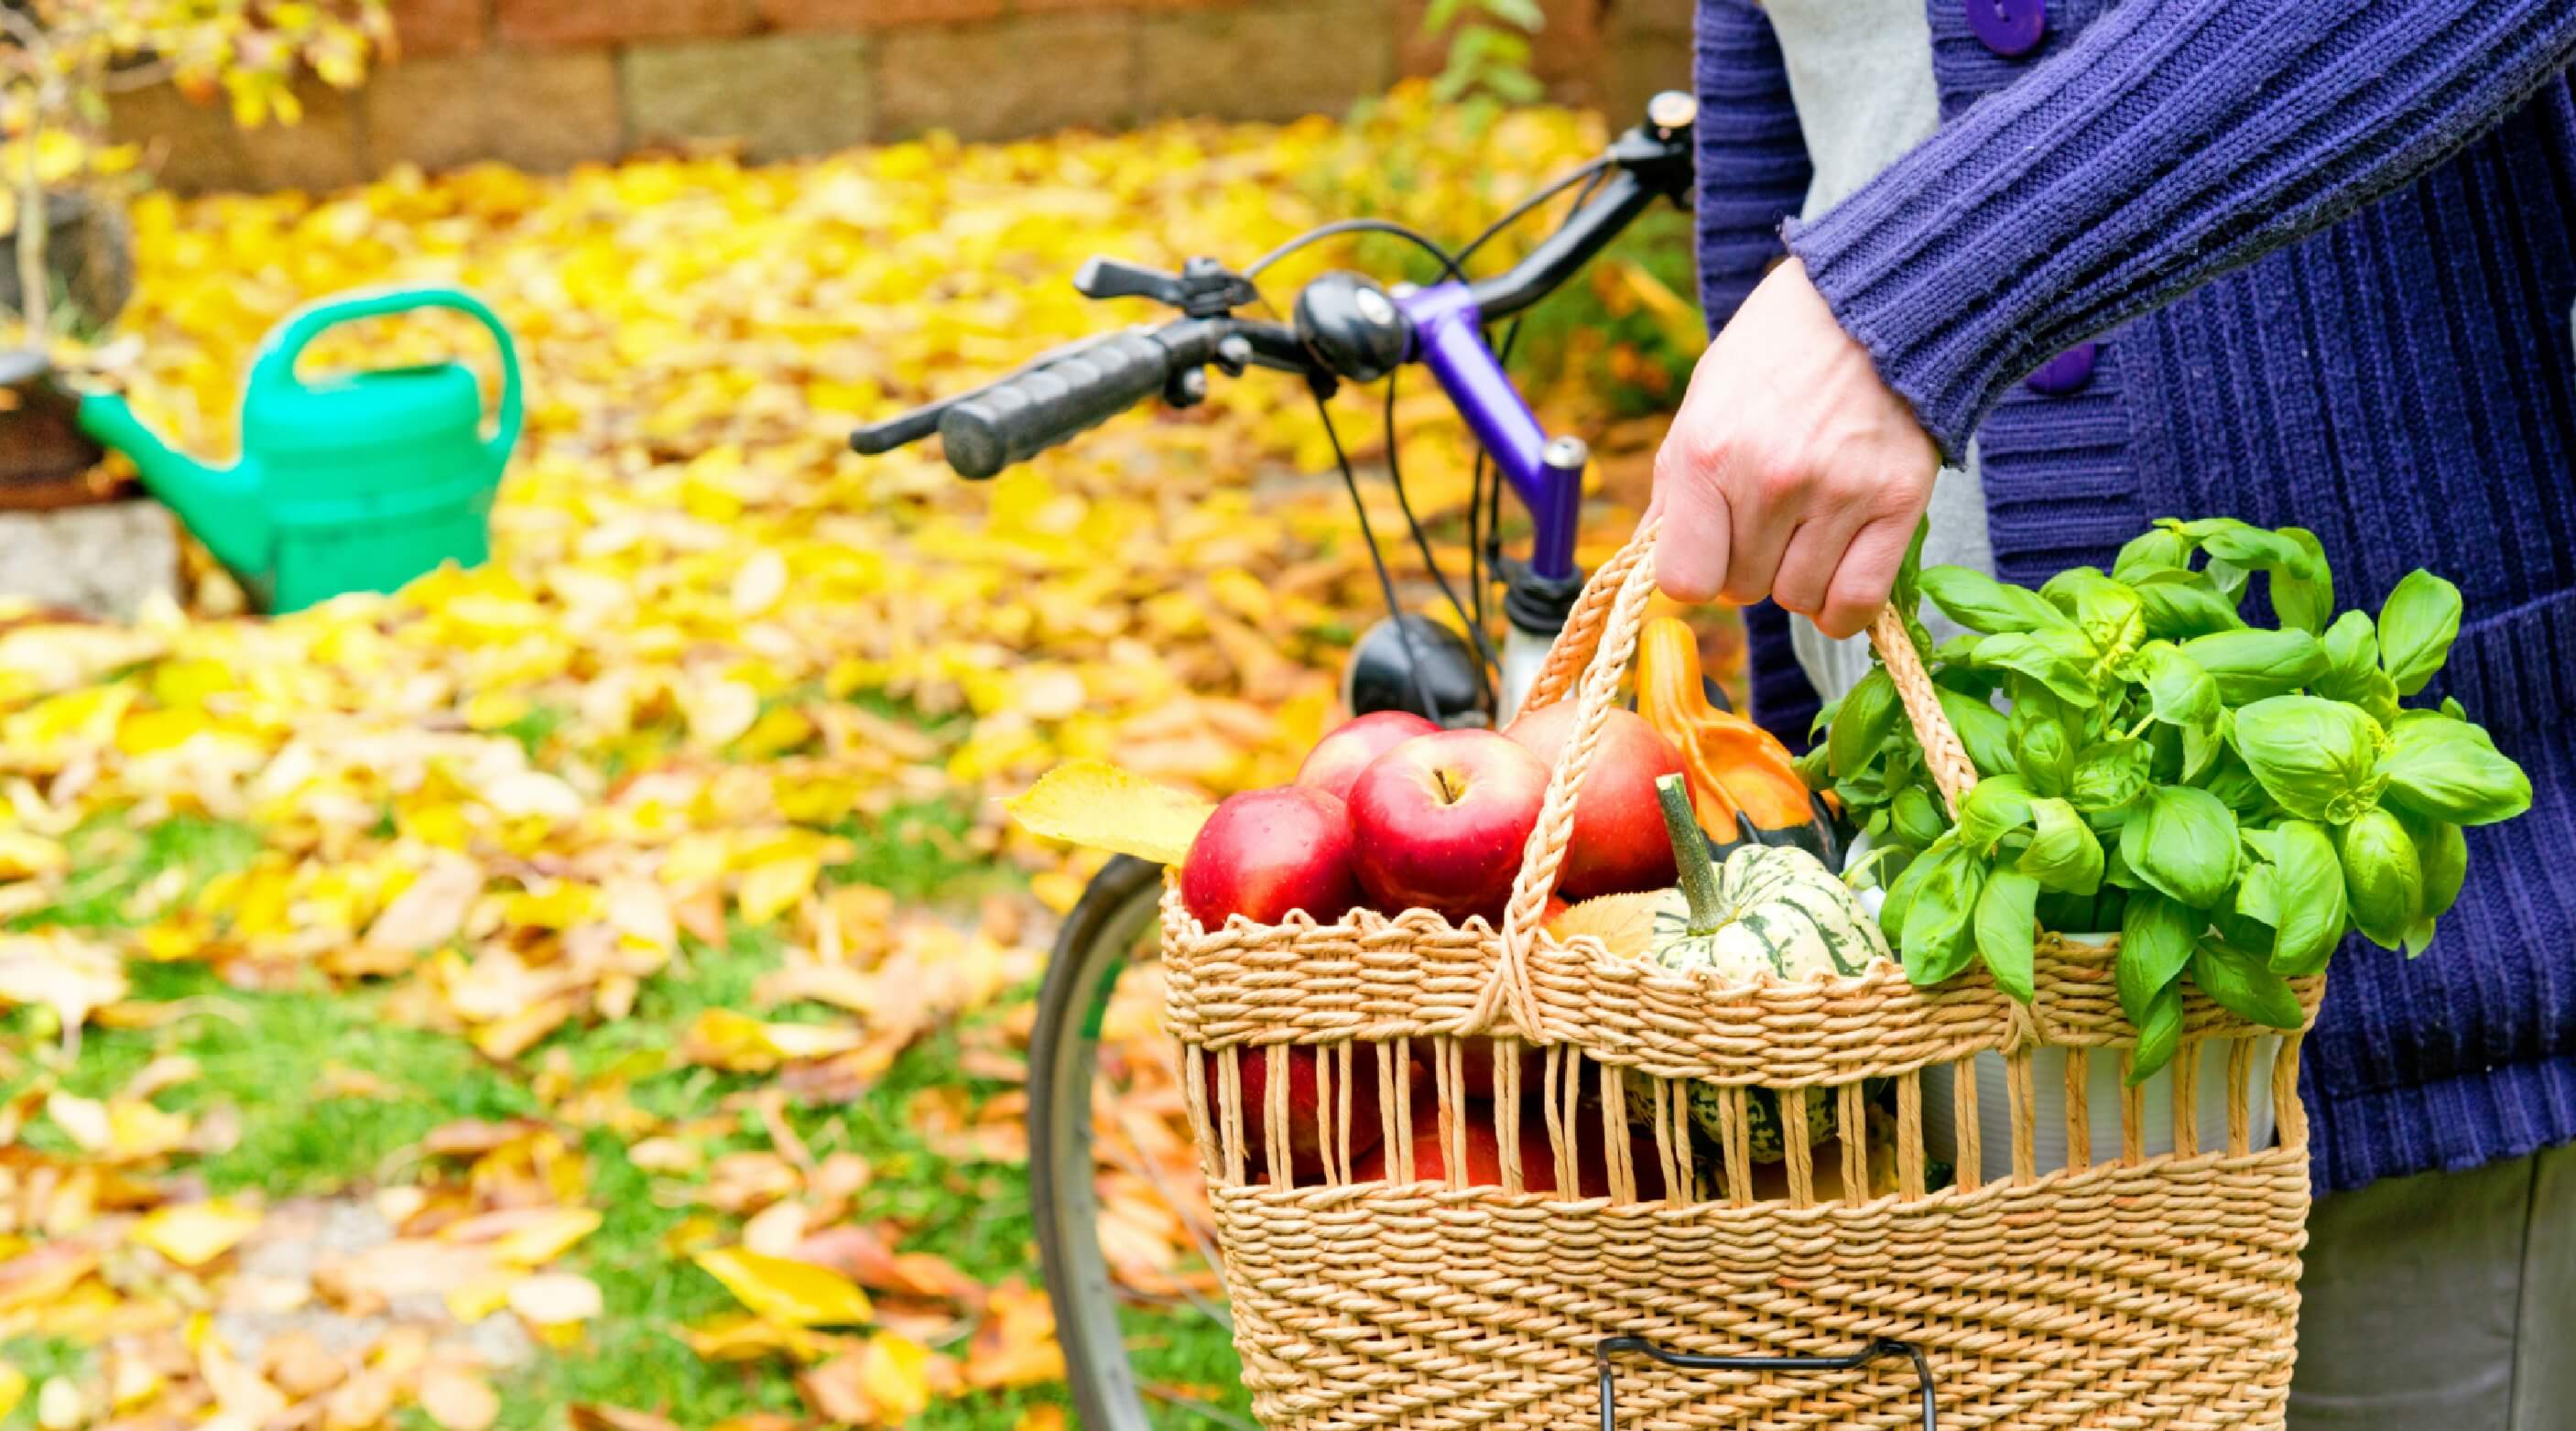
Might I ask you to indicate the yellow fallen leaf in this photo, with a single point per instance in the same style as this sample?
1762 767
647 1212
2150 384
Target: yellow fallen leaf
739 1043
744 1337
775 886
544 1238
25 854
1094 803
193 1234
458 1400
780 1289
13 1389
555 1298
895 1372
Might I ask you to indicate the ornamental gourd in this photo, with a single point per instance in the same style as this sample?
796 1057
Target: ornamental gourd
1765 909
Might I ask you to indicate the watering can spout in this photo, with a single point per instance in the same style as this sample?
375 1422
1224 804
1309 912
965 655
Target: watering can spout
216 503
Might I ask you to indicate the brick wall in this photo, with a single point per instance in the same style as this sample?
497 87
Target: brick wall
546 84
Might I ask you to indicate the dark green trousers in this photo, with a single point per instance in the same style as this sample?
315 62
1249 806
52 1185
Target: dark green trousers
2442 1302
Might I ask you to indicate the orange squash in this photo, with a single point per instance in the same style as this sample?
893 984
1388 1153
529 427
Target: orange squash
1731 763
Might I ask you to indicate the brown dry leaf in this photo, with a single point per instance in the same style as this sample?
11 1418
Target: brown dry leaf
1016 1345
1096 804
362 1401
457 1399
430 911
299 1365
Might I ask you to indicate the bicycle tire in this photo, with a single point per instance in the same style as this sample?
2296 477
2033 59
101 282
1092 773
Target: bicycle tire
1116 912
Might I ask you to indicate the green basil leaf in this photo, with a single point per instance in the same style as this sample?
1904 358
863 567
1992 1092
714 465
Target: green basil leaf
1907 594
2110 616
2156 936
1995 808
2383 876
2258 892
2315 757
2305 602
2159 1034
1981 603
2451 707
2445 769
2064 855
2442 850
2229 578
2057 659
2182 842
1939 937
2309 880
2180 692
1983 731
1811 768
2253 663
1915 817
2008 931
2181 604
2156 549
2416 628
2253 548
2234 784
2244 986
2109 774
1862 723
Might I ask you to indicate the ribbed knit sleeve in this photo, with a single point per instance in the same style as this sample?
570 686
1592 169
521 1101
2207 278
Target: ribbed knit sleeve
1752 158
2171 141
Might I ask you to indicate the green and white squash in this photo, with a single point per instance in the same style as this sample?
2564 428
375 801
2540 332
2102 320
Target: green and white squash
1770 909
1765 909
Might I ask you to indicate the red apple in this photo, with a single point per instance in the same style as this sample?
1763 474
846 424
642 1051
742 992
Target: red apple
1440 822
1266 852
1338 758
1620 844
1484 1163
1306 1112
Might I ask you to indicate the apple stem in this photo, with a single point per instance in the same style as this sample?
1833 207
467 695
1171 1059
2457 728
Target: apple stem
1690 856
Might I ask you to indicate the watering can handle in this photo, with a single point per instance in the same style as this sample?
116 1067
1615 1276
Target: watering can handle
280 350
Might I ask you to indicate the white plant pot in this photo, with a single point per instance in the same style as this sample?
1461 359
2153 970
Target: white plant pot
2101 1096
2101 1104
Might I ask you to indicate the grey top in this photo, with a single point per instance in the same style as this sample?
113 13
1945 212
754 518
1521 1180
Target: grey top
1860 72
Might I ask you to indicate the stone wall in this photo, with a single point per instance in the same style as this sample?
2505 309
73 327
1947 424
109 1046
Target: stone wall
545 84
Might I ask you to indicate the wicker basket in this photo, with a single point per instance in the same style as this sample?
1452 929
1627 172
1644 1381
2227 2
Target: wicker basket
2145 1292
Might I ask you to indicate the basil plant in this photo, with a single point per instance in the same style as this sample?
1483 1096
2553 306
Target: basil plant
2232 799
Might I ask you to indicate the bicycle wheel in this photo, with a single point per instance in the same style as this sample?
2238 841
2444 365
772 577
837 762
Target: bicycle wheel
1138 1302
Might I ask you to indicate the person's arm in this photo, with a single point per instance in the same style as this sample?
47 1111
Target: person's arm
2170 142
1751 157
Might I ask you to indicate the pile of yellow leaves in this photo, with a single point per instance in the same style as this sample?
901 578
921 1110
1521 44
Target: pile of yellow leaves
713 653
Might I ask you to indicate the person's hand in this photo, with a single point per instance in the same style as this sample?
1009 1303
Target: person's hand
1792 470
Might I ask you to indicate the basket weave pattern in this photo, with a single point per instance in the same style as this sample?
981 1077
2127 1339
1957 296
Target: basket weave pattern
2148 1291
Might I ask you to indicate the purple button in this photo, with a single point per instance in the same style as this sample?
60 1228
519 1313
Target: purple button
2010 28
2067 372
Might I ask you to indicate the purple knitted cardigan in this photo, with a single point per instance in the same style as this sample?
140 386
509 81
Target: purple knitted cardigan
2329 250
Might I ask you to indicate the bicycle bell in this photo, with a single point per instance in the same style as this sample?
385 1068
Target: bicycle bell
1349 323
1395 669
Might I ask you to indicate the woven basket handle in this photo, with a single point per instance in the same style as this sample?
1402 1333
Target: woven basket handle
1590 657
1943 755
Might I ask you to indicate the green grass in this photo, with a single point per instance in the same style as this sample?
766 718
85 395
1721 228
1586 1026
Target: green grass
261 1054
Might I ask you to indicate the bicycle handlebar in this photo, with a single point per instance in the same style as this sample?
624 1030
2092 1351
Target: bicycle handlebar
1070 390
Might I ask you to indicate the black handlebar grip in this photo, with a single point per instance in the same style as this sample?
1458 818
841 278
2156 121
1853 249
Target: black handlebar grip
1023 416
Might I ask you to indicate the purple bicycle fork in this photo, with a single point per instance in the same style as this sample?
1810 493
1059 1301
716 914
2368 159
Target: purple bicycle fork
1448 336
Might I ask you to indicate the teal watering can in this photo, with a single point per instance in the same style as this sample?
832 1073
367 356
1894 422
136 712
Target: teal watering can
350 482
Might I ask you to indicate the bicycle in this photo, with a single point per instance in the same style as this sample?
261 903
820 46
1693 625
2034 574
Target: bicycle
1346 329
